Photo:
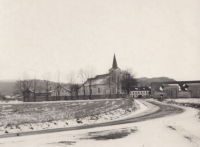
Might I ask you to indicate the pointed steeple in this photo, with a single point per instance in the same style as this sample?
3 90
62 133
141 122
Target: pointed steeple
114 66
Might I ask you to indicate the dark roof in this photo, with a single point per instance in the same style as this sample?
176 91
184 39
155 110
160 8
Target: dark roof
99 79
65 87
176 82
40 92
139 88
101 76
114 66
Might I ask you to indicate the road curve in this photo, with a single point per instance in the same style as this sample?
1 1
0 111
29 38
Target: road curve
163 110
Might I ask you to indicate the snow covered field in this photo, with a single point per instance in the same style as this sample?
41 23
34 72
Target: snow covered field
186 100
107 110
180 130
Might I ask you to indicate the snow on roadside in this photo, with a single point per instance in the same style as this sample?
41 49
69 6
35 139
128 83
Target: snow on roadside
108 116
68 101
180 130
186 100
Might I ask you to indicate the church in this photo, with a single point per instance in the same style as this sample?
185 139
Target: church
100 87
105 85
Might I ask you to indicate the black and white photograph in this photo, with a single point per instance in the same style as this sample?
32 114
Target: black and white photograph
99 73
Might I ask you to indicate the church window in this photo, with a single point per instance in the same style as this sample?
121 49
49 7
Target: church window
99 90
113 90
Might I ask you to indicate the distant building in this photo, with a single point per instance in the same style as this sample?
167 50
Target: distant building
57 93
105 85
140 92
101 86
61 91
39 95
176 89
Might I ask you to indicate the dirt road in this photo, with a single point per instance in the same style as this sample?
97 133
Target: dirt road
156 110
157 125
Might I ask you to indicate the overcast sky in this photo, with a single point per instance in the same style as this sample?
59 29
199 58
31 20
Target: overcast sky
153 37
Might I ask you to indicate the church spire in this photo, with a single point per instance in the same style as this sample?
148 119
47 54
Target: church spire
114 63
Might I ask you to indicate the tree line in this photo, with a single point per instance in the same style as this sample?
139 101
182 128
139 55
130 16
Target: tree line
125 81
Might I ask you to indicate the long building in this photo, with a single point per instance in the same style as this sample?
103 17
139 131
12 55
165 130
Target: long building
176 89
140 92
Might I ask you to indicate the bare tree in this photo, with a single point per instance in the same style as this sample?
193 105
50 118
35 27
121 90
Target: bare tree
128 81
46 84
118 84
71 81
108 81
90 78
75 88
22 87
83 77
34 88
58 86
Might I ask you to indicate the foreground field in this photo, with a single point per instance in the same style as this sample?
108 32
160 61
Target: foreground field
36 116
186 100
181 130
189 102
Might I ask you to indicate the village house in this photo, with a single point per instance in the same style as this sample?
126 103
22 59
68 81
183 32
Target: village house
61 92
176 89
140 92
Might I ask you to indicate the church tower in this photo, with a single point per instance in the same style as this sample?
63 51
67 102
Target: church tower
114 65
114 74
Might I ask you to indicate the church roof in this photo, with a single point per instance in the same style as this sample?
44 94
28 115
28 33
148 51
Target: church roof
102 79
114 66
99 79
101 76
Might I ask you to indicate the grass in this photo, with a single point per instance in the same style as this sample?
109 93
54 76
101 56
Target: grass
188 103
16 114
171 127
110 134
65 143
194 103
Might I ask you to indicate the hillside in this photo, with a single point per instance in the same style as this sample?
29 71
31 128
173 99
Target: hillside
147 81
7 88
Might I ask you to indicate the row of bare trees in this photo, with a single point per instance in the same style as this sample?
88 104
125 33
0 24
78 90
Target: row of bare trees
125 81
86 76
26 85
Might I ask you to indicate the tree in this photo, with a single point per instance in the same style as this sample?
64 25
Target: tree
109 82
71 81
118 83
46 84
34 88
89 75
58 86
75 89
1 97
83 77
22 87
127 81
